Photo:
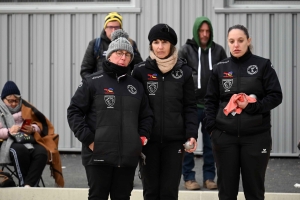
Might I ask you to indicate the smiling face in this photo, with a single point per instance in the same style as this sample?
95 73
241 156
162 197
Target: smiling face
238 42
161 48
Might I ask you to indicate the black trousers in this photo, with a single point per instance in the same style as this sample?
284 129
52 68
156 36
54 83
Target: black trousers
246 155
162 172
106 180
29 163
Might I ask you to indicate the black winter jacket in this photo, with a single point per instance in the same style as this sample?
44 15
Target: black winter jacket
91 64
249 74
113 113
172 99
189 51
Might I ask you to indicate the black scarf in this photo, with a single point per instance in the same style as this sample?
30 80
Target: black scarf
112 68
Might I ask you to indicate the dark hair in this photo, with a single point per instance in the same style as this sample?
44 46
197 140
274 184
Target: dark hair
242 28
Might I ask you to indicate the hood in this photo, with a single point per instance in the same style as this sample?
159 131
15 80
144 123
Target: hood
198 22
104 37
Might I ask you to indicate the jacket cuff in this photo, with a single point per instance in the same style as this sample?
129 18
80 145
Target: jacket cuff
89 140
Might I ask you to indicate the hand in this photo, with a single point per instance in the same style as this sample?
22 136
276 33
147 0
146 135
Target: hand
91 146
14 129
242 104
28 129
192 142
144 140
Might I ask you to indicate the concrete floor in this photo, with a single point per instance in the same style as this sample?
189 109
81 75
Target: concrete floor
281 176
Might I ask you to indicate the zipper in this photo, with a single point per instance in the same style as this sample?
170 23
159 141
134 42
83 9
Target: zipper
120 135
238 89
162 119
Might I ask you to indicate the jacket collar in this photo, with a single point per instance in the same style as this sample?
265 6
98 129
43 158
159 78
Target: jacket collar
243 58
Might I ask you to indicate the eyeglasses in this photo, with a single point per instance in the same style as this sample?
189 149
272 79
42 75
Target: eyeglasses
113 27
121 53
11 101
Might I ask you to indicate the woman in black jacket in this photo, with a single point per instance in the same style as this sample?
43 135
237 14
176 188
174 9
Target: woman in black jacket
169 85
111 116
241 136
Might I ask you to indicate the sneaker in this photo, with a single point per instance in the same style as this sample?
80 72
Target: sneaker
210 184
192 185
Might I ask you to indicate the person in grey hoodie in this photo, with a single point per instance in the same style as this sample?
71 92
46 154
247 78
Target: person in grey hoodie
201 53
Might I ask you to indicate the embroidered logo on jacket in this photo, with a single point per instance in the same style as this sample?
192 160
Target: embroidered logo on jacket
152 77
223 62
252 69
97 77
80 84
177 74
108 91
264 151
228 74
131 89
152 87
227 84
110 100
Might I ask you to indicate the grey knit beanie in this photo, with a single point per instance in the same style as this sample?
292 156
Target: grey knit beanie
119 42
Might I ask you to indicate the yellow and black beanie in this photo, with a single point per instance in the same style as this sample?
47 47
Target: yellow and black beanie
113 16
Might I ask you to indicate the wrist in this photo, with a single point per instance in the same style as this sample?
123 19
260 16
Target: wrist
33 129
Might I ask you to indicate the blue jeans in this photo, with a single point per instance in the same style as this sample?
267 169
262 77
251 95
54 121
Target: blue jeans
209 169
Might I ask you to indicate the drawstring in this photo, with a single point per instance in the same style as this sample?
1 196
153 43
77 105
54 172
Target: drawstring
199 68
209 59
199 65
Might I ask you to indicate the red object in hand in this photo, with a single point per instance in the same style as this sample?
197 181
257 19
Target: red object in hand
144 140
26 122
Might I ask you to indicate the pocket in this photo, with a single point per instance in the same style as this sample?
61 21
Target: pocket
216 133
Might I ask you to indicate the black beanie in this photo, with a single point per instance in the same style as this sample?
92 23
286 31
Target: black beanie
9 88
162 32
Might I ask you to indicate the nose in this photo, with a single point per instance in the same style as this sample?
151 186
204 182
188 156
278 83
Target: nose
160 45
123 56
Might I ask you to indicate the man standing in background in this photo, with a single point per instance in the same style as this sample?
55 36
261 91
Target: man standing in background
201 54
97 48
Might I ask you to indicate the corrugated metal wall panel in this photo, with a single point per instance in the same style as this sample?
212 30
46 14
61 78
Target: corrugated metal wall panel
3 48
220 31
296 87
61 76
40 92
19 52
43 53
281 57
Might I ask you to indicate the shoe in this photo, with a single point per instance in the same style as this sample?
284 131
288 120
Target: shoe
210 184
192 185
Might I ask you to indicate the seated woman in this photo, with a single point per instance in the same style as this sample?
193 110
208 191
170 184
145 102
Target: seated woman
29 159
